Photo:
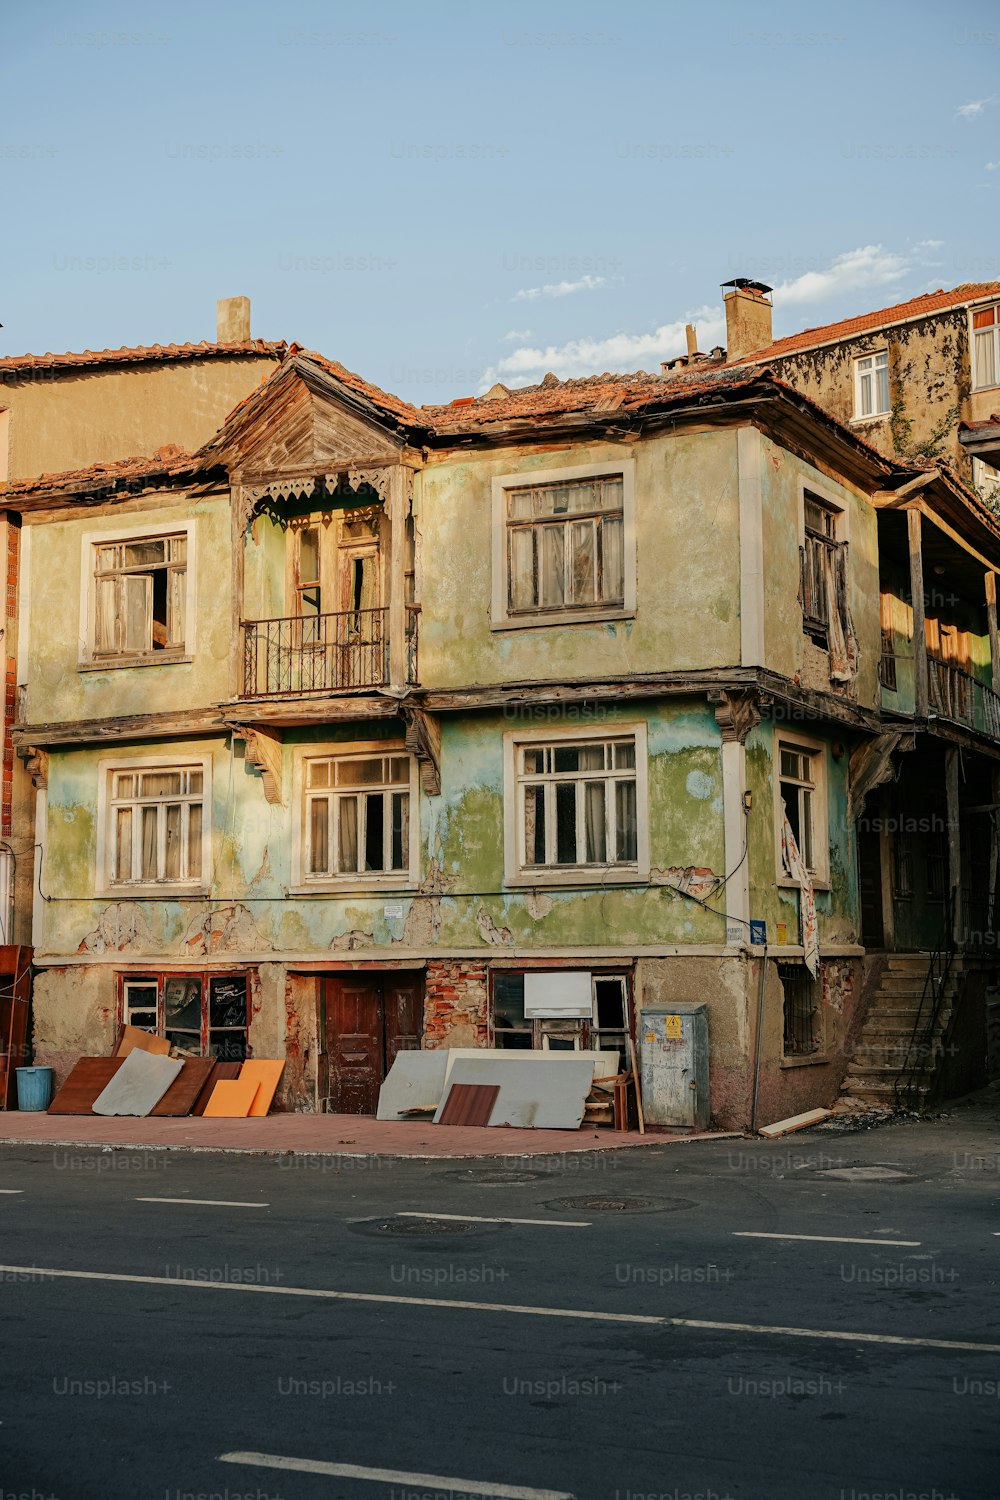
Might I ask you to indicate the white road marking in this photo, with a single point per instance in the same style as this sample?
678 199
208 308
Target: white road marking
207 1202
393 1476
582 1315
825 1239
488 1219
11 1190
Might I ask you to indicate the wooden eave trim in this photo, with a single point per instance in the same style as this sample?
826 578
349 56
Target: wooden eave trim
206 721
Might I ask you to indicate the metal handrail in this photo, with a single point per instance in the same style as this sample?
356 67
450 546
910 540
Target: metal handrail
295 655
912 1073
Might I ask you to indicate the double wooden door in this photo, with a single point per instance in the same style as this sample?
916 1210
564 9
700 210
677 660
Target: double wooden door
365 1019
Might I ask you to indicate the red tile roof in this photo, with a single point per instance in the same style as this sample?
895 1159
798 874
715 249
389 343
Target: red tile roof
384 400
900 312
167 460
141 352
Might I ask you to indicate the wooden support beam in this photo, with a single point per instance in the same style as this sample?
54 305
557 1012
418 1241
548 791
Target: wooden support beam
264 750
423 739
913 524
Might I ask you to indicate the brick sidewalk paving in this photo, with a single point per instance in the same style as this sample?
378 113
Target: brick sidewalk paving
347 1135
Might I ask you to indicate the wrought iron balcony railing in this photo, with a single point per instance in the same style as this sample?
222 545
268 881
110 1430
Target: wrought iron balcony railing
335 653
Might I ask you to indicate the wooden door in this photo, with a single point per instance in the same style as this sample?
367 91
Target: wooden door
355 1044
404 1012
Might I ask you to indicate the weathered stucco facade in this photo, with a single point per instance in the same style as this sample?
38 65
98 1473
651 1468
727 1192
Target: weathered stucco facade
184 781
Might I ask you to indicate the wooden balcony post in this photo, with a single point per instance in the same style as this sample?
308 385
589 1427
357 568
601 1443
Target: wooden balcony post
913 521
236 664
399 481
991 619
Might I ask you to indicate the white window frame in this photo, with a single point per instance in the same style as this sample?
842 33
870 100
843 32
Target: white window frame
973 331
393 880
88 659
871 416
500 617
988 483
517 875
817 750
124 890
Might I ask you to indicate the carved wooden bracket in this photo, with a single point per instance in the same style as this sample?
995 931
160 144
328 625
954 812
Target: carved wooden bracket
263 750
36 763
870 766
736 714
423 739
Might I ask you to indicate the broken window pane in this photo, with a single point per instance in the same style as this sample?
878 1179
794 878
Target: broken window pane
565 823
182 1003
400 831
626 830
534 825
374 831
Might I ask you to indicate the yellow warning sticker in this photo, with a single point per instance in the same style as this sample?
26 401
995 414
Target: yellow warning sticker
672 1026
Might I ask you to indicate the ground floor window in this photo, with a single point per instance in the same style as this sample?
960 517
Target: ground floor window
803 1015
517 1023
204 1014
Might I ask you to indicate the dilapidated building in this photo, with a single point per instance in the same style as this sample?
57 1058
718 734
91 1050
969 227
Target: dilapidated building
360 726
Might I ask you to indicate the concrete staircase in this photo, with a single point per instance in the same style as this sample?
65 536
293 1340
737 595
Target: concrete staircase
880 1054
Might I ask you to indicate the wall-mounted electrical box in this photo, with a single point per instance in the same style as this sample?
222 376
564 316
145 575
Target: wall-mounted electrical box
673 1052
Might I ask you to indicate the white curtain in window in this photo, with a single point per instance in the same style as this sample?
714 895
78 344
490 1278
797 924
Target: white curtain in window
986 359
595 820
347 853
793 862
107 596
613 556
149 839
522 581
582 543
552 587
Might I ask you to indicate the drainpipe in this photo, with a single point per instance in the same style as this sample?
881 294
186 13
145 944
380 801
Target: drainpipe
757 1040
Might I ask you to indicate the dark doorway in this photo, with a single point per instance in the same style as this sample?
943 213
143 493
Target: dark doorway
365 1019
870 879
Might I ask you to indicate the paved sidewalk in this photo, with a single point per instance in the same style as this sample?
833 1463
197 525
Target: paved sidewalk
347 1135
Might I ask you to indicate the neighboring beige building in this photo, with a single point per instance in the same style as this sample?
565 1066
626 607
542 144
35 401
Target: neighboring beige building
67 411
920 379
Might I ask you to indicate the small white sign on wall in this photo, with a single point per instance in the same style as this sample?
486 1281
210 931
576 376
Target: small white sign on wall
392 909
558 992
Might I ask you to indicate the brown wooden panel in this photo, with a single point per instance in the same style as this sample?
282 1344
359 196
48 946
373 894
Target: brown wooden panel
404 1015
469 1104
217 1072
186 1090
354 1045
89 1077
15 1000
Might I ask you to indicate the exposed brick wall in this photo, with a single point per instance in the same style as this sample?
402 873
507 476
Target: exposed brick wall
456 1004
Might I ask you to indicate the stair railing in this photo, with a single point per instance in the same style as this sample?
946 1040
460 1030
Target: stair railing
919 1059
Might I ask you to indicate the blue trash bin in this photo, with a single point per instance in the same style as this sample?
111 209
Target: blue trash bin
34 1088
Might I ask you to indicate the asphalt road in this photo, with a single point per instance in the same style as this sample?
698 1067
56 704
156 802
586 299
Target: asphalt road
482 1358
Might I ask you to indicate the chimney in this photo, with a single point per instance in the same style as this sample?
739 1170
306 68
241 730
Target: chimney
233 320
691 335
748 318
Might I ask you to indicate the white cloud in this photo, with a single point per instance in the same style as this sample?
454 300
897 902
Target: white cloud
515 334
993 166
973 108
622 351
559 289
867 266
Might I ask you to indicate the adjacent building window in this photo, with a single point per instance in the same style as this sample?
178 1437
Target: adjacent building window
155 828
578 805
564 545
203 1014
357 816
800 790
871 385
986 346
140 596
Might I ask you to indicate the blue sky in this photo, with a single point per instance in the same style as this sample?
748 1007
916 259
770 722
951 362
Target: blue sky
446 194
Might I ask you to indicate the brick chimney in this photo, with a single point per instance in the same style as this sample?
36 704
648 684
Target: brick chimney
748 317
233 320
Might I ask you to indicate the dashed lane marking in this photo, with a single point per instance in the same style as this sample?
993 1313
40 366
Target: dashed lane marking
393 1476
205 1202
493 1219
820 1239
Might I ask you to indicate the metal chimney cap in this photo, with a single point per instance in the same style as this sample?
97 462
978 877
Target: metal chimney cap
744 284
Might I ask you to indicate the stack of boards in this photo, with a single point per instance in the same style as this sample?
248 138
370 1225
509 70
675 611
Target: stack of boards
142 1079
535 1090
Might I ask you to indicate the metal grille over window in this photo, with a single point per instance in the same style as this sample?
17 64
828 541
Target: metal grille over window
802 1012
565 545
157 822
578 804
357 816
141 596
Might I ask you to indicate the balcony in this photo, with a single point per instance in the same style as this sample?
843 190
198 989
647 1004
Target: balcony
303 655
956 695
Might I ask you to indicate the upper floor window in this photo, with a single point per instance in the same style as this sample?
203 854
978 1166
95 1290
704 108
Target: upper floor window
356 817
986 346
154 828
578 805
986 478
819 565
871 385
138 605
564 545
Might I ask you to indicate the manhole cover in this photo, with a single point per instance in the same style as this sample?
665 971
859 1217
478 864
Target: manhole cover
423 1227
497 1177
875 1173
620 1205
